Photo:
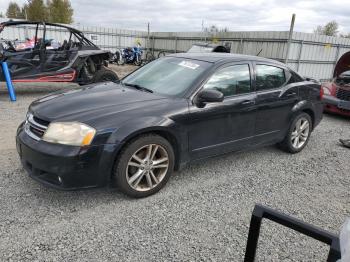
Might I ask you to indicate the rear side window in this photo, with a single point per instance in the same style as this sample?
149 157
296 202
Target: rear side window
231 80
294 78
269 77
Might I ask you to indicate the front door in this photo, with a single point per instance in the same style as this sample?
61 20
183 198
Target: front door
221 127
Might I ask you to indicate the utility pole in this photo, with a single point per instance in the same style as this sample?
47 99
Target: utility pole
148 40
290 38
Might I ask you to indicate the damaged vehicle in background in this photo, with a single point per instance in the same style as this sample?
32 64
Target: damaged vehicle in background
337 92
210 47
52 53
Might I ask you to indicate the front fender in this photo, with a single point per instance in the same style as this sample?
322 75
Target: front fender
136 127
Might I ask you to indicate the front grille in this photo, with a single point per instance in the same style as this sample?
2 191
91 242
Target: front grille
343 94
35 127
39 133
40 121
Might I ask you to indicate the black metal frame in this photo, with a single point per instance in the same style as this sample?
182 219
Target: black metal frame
79 35
319 234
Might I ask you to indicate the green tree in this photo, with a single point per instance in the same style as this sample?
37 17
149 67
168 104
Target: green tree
60 11
14 11
1 15
36 10
330 29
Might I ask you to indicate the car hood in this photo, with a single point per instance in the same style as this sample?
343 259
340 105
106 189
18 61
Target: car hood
92 102
342 65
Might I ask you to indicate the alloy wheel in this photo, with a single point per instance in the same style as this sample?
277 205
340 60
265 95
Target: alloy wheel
147 167
300 133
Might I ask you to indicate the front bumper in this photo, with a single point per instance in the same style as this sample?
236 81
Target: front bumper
335 105
65 167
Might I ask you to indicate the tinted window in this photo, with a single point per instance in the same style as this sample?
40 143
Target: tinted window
268 77
230 80
295 78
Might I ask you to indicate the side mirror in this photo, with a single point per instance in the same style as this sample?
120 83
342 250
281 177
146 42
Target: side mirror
209 96
307 78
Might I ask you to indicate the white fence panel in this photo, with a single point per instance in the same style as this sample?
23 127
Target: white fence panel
309 54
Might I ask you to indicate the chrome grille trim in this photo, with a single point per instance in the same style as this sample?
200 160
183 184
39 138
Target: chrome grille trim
31 123
343 94
36 124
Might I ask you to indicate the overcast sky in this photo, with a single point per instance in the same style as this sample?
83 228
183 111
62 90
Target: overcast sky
187 15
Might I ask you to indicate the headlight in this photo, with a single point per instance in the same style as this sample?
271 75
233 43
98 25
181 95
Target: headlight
69 133
326 91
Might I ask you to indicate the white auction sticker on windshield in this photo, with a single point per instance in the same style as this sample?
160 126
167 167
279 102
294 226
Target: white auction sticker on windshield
189 64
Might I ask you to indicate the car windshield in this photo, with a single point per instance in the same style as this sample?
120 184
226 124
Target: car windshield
171 76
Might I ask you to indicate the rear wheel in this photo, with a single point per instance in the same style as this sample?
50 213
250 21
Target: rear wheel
298 134
104 75
161 54
138 60
144 166
149 56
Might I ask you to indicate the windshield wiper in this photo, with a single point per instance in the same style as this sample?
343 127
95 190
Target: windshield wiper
138 87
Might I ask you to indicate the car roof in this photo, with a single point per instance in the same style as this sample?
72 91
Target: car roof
24 22
227 57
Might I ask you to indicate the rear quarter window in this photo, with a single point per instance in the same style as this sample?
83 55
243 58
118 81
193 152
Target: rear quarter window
295 78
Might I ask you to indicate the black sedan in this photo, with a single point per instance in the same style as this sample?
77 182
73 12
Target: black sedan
175 110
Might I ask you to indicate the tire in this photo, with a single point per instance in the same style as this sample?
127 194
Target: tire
297 138
161 54
120 61
143 180
104 75
138 61
149 56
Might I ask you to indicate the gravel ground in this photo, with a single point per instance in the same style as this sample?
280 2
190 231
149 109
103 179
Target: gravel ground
202 214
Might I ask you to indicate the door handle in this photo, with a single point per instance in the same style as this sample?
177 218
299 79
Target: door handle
292 94
248 102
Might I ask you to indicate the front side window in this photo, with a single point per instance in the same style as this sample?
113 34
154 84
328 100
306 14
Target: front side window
231 80
269 77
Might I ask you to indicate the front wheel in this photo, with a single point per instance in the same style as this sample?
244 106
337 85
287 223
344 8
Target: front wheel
298 134
144 166
104 75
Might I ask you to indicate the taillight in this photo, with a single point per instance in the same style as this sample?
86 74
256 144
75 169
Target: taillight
321 93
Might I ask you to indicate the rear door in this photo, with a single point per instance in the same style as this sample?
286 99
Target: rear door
275 99
229 125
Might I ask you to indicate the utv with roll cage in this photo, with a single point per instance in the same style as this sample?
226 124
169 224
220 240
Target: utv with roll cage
50 52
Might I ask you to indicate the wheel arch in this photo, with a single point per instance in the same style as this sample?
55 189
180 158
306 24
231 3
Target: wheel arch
162 131
311 113
304 107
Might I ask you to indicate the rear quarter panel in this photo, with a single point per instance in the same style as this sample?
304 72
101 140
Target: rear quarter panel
310 100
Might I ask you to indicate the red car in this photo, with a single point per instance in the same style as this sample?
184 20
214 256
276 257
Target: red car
337 92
